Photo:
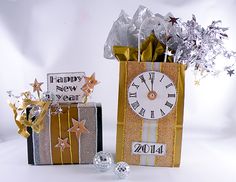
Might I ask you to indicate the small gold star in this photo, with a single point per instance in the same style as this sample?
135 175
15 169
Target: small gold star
62 144
87 90
37 86
78 127
26 95
90 81
197 82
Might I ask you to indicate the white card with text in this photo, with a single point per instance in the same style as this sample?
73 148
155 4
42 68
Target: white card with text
66 86
144 148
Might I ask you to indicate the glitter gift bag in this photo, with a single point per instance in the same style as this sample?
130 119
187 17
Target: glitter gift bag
142 141
60 142
153 52
150 105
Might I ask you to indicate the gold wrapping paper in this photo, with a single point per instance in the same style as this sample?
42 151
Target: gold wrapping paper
60 128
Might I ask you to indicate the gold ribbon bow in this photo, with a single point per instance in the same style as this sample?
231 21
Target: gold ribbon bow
23 121
151 50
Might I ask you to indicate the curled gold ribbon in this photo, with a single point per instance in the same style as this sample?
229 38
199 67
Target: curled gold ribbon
152 50
22 121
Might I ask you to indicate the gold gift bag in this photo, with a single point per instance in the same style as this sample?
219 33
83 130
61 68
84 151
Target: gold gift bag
141 141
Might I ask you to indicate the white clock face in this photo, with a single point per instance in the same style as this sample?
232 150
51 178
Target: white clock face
152 95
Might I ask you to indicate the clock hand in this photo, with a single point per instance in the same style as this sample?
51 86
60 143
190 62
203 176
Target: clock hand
147 87
152 81
144 81
151 77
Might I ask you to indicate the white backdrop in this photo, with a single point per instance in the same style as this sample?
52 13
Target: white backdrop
41 36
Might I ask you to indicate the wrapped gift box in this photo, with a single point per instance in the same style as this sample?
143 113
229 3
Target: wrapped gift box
72 136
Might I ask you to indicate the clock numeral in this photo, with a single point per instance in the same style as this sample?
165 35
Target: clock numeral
162 112
171 95
152 114
169 85
161 78
142 112
152 76
137 86
135 105
132 94
142 78
169 104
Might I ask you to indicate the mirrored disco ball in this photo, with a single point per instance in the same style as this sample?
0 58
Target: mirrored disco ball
121 170
103 161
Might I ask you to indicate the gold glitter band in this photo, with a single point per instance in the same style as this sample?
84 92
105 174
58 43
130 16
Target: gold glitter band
59 122
60 129
68 121
179 121
121 112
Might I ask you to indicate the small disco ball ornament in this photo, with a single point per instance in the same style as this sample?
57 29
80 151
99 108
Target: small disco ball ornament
34 111
121 170
103 161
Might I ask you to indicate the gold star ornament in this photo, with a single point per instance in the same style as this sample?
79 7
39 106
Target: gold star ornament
78 127
88 87
90 81
87 90
62 144
37 86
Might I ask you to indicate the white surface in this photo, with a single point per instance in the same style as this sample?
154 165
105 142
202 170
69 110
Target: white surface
204 159
41 36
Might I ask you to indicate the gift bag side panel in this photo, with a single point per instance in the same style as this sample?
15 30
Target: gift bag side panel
120 135
133 123
180 115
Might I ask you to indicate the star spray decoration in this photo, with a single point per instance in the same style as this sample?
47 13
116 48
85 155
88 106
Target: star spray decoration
29 110
37 87
89 85
200 48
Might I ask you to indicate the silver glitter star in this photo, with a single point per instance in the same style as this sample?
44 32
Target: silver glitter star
230 72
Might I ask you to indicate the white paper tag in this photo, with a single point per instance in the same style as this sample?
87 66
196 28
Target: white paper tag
143 148
66 86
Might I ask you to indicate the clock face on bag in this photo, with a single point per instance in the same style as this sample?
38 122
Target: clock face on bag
152 95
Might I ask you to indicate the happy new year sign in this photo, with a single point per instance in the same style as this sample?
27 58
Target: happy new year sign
66 86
